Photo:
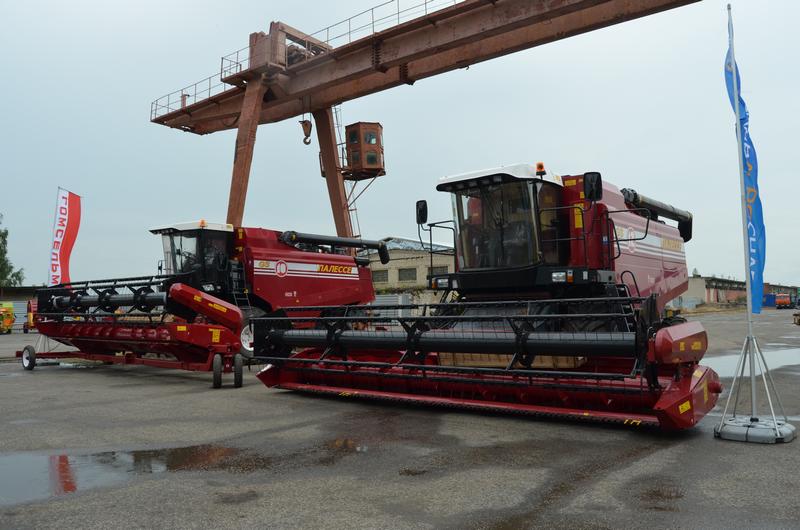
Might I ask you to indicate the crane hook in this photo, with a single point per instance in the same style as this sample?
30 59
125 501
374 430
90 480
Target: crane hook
306 125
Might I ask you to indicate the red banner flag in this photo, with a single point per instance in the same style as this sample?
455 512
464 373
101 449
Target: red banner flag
65 232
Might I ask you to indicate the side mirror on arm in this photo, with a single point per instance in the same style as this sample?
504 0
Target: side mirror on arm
422 212
592 186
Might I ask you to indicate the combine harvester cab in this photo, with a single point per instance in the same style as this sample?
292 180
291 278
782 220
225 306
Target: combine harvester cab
196 315
559 293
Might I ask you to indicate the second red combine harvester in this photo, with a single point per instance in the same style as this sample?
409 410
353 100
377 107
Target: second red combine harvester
556 308
195 315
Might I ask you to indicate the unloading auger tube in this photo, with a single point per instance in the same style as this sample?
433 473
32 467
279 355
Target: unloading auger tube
607 359
291 237
662 209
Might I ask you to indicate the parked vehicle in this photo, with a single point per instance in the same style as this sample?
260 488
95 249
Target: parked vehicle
7 317
783 301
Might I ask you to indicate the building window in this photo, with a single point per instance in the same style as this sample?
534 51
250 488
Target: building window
437 271
407 275
355 157
372 158
370 138
353 137
381 276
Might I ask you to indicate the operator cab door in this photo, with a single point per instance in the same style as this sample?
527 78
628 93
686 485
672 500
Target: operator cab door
201 255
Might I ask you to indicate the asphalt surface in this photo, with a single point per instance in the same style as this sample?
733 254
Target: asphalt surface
135 447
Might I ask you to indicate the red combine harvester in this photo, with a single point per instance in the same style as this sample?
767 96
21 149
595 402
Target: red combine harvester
195 316
556 309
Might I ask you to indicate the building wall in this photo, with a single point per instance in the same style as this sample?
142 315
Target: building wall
18 294
407 269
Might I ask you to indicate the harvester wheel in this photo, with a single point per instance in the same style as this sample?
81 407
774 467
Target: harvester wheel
238 370
216 368
28 357
246 335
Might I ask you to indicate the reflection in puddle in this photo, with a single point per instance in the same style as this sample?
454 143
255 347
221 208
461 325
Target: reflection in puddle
26 477
338 448
725 365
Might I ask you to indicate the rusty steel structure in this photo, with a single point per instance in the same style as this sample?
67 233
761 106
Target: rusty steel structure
286 73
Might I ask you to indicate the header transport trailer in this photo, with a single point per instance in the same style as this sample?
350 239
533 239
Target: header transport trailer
555 308
195 315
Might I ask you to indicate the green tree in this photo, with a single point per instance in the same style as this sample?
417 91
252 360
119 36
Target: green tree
8 276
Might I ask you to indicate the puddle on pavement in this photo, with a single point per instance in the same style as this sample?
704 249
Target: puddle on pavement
26 477
725 365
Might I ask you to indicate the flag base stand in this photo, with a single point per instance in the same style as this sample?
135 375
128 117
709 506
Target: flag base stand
751 428
755 430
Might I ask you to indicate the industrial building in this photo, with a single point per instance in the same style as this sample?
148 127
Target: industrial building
408 270
726 291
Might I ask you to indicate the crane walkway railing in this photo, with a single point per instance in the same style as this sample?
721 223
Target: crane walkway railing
376 19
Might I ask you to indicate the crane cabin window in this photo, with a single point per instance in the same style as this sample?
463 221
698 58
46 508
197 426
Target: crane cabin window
496 226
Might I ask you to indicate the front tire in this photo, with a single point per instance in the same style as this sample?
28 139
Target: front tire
28 358
216 369
246 334
238 370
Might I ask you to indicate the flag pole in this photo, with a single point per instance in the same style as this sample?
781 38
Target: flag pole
750 339
750 429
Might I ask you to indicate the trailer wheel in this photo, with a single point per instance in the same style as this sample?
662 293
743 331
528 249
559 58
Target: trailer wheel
238 370
28 357
246 335
216 368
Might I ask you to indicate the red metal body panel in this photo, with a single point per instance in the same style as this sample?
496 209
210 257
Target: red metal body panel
211 307
284 276
652 253
657 259
681 343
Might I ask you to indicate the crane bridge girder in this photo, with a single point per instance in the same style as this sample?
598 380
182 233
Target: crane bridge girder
286 73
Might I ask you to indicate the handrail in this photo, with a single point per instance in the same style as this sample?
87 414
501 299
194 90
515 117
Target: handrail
381 17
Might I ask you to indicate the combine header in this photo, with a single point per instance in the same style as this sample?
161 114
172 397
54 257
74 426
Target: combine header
196 316
557 309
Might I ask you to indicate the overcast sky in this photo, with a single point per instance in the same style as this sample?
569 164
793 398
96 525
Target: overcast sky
643 102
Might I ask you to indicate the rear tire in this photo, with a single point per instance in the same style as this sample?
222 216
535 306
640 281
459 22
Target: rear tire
28 358
238 370
216 369
246 334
